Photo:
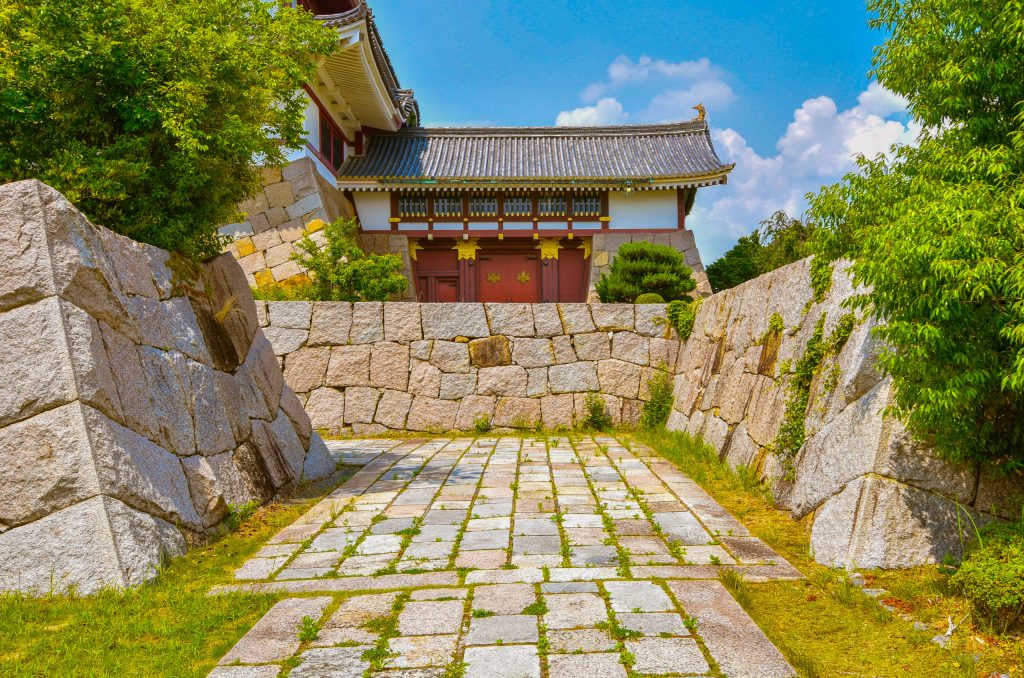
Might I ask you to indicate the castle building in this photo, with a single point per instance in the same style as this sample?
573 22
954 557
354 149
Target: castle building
505 214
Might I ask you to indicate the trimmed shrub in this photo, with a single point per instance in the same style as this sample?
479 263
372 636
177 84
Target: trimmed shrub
650 298
639 268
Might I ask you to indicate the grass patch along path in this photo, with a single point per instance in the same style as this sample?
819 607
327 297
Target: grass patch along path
824 625
170 627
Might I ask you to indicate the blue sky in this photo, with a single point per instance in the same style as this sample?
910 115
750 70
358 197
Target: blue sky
785 83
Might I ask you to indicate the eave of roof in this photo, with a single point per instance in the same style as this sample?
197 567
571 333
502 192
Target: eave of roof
645 156
403 99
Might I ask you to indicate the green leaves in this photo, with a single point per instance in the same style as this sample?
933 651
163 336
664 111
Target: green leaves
936 234
341 271
780 240
150 115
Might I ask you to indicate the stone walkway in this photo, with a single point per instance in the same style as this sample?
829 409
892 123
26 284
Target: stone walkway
507 557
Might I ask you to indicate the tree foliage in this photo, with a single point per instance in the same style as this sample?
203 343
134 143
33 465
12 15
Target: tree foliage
937 231
644 268
779 240
149 114
341 271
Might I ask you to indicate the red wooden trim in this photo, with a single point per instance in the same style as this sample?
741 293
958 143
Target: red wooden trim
325 161
576 231
327 114
360 142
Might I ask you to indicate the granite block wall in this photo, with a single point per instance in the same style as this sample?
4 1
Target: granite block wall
368 368
872 496
137 407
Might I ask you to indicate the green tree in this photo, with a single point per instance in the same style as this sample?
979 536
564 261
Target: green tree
149 114
936 233
341 271
779 240
738 265
643 268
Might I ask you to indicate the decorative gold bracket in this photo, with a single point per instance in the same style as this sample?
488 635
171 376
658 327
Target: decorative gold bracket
467 248
549 248
414 247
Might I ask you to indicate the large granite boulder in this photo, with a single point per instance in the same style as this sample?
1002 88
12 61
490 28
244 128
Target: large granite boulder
138 406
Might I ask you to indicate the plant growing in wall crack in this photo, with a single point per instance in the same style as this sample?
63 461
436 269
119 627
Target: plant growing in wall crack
793 430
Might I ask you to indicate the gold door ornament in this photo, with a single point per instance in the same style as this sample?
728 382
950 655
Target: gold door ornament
467 248
523 277
494 278
549 248
414 247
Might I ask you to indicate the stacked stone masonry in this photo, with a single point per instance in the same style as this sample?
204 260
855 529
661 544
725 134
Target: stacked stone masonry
136 407
873 496
295 201
368 368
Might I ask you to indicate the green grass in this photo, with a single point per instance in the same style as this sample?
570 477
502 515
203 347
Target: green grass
169 627
823 625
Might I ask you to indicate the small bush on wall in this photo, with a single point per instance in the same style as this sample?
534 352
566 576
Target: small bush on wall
642 268
341 271
656 410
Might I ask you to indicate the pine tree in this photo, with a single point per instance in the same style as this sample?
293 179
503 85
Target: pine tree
643 268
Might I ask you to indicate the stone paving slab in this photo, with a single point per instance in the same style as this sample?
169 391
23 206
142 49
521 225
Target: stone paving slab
734 640
508 557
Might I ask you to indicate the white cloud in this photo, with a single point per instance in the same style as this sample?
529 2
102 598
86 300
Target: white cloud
819 146
607 111
624 71
677 104
687 83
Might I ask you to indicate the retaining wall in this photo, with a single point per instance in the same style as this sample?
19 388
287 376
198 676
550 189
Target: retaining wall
373 367
136 407
873 497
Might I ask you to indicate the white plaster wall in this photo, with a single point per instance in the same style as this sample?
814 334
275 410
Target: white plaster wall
374 208
643 209
311 123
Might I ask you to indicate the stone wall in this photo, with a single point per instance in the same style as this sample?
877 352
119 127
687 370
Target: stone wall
293 202
136 407
369 368
872 496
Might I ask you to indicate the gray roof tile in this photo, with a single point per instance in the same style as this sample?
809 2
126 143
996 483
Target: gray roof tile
678 151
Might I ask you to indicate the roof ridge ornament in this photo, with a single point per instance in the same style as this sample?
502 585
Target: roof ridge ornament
701 113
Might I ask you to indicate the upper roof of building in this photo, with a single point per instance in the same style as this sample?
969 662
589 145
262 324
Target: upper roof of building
339 14
643 156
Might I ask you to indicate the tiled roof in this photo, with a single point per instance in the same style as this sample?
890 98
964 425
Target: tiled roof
404 99
679 152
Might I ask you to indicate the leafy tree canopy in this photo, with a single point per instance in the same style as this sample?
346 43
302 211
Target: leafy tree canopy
149 114
780 240
644 268
937 231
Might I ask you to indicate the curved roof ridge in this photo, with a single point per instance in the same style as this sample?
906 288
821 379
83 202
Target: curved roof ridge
688 126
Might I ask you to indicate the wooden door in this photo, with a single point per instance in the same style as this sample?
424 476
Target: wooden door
508 277
437 276
572 276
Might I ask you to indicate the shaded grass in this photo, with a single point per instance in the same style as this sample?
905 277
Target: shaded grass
169 627
823 625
